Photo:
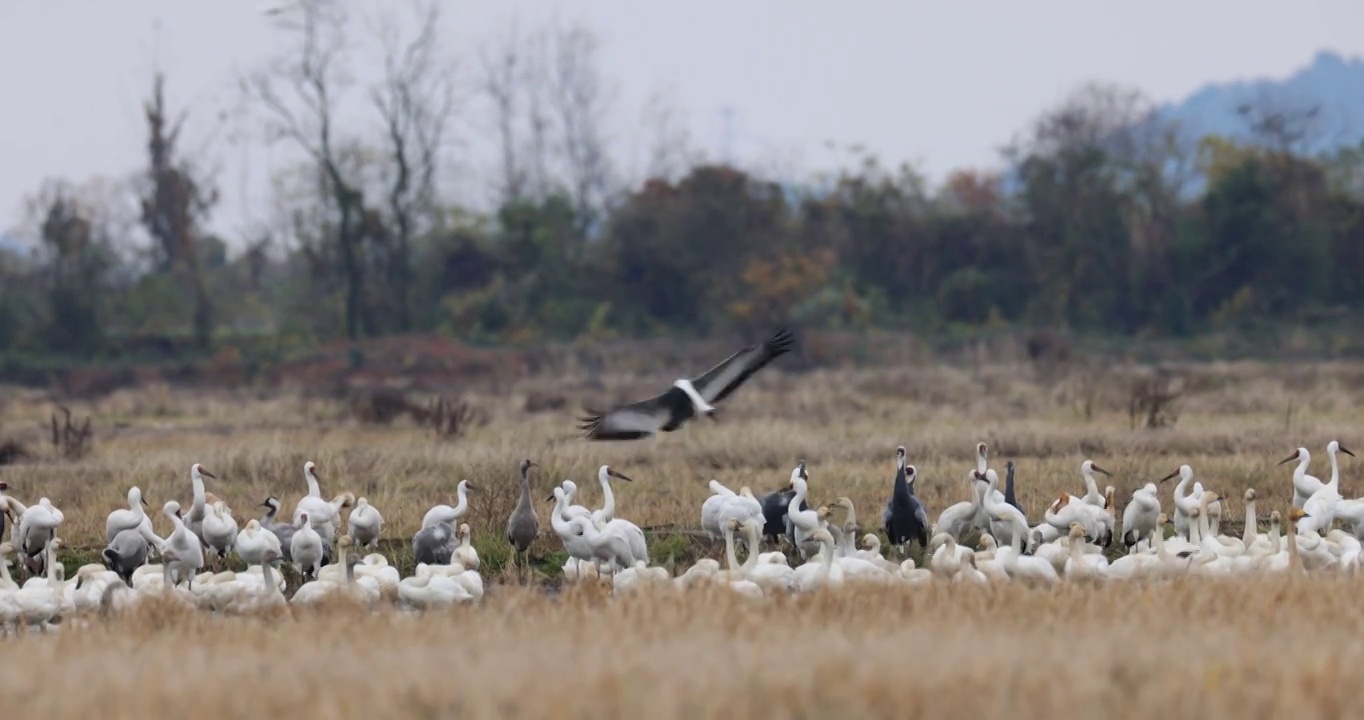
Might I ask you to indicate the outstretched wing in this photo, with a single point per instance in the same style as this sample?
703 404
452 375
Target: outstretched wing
628 422
724 378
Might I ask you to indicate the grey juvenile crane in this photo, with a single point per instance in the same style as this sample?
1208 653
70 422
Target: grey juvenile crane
524 525
687 398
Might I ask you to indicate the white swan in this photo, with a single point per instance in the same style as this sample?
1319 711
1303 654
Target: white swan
364 524
254 541
710 509
39 605
183 545
820 572
305 548
1004 518
1080 565
465 554
219 529
324 515
958 519
197 507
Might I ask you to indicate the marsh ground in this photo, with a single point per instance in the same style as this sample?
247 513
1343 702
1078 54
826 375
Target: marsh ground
1261 647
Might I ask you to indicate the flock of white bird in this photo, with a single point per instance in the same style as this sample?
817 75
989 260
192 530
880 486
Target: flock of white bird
1067 544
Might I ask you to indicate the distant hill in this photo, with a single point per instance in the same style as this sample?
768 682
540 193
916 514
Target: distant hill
1332 83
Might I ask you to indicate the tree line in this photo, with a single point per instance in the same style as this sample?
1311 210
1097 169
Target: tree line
1101 218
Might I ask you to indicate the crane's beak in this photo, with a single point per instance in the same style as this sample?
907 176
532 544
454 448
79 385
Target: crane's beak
207 474
1290 458
1098 469
1347 452
1173 475
615 474
144 502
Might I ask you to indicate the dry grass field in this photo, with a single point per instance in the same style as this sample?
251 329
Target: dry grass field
1278 646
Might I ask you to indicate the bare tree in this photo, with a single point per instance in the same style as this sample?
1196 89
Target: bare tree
173 206
500 64
312 75
668 148
580 97
550 101
415 100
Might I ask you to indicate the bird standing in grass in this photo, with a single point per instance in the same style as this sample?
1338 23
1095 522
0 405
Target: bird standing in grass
523 526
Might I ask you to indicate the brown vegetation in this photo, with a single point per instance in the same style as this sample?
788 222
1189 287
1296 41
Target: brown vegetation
1196 646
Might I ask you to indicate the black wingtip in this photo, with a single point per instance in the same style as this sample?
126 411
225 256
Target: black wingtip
781 341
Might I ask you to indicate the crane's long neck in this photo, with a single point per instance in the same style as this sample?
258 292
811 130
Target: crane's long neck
1248 535
166 584
343 557
523 503
1016 542
1335 472
901 479
1090 486
314 490
608 503
1182 486
1274 536
463 505
557 520
197 482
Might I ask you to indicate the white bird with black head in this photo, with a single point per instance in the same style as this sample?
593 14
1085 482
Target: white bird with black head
687 398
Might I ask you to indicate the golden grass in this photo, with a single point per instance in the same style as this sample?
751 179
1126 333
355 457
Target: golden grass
1266 647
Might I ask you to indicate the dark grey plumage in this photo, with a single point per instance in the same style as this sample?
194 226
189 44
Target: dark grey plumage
285 531
434 545
904 518
523 526
127 552
1009 496
774 506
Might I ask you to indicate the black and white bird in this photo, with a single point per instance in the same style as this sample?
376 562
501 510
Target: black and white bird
687 398
904 516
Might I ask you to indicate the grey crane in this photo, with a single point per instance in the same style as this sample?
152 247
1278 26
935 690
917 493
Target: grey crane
524 525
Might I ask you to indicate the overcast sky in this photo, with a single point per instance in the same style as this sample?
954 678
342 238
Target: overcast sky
941 84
